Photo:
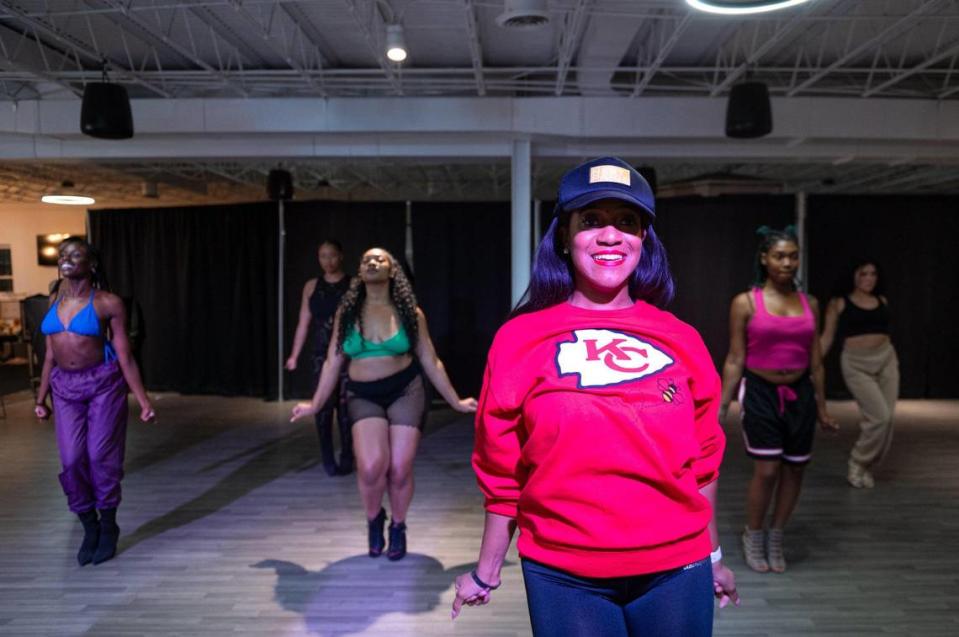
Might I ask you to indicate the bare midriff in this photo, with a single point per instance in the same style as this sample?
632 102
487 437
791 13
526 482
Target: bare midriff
779 376
865 341
377 367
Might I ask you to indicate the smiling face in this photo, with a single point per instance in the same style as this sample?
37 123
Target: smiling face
781 261
74 261
605 241
866 278
376 266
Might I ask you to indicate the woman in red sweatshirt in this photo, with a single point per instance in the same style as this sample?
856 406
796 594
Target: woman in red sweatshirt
597 431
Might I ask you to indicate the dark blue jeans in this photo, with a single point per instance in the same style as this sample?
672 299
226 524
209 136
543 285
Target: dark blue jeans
674 603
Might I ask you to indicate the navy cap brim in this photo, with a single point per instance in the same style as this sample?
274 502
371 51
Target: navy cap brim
613 193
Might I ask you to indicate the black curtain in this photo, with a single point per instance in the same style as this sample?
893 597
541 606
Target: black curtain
462 259
711 243
359 226
913 238
206 280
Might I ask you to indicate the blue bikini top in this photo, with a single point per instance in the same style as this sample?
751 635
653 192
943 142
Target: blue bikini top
85 323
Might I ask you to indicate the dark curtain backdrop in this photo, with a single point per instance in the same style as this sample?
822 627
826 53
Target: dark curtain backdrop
359 226
711 243
914 240
462 259
206 280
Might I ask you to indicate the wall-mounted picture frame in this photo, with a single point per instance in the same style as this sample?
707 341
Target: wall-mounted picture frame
47 244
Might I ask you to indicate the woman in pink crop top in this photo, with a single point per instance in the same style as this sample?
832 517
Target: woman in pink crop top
774 361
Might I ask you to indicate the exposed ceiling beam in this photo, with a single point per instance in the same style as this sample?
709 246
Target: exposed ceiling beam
288 57
146 32
664 50
784 29
372 42
893 30
21 53
82 48
476 51
570 38
935 59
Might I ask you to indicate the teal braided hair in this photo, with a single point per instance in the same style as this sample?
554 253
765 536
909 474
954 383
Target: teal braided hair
769 238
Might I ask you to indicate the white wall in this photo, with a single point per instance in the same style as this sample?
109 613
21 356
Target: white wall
19 226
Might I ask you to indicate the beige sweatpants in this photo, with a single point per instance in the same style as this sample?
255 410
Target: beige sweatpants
872 376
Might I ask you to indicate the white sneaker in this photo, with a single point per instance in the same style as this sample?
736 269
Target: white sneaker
856 476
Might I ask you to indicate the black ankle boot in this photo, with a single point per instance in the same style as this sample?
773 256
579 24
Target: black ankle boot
91 535
397 548
109 534
324 432
376 538
345 467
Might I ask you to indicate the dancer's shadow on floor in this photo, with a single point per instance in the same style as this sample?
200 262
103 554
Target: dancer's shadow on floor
350 595
264 464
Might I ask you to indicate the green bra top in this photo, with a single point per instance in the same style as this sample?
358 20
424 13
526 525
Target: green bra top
355 346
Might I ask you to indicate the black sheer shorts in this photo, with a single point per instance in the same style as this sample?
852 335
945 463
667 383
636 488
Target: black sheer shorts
400 399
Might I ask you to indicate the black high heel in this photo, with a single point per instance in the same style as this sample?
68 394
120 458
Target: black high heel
397 550
376 537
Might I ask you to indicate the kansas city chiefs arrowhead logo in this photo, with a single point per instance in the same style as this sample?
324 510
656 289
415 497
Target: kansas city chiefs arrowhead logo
606 357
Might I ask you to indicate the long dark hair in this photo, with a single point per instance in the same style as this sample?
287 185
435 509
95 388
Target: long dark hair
769 238
552 281
847 284
401 295
98 277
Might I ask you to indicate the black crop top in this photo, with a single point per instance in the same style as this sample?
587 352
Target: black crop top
856 321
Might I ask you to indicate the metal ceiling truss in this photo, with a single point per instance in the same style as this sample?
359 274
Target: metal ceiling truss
195 48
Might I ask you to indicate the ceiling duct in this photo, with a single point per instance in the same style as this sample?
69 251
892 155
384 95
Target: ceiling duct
715 184
523 14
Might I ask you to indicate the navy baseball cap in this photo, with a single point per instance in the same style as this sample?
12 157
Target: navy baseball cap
605 178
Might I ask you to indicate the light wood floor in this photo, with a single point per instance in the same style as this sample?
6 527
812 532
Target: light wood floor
231 527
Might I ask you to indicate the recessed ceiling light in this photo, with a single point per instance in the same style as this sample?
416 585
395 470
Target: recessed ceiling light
742 7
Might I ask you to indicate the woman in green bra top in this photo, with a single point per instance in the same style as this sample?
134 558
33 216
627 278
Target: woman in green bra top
383 333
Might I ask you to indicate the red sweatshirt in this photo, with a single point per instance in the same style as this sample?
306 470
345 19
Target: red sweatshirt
596 430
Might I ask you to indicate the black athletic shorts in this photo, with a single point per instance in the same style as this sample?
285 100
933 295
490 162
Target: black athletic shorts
779 421
401 399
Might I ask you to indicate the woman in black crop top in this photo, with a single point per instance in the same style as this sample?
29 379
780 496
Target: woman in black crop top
870 367
321 296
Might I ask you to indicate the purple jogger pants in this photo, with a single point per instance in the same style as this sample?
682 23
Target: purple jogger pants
90 410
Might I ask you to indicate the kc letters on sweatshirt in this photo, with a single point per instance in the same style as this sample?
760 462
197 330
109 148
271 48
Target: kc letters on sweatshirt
596 429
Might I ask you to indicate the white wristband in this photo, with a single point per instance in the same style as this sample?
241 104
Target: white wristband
716 555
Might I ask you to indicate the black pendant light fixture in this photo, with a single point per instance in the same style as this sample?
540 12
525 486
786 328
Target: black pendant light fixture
279 185
105 110
748 111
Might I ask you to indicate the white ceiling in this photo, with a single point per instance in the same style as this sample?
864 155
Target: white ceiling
870 52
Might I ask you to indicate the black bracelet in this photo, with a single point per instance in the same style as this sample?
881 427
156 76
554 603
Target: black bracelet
481 583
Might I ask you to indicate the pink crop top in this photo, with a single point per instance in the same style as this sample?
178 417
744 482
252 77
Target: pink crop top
779 342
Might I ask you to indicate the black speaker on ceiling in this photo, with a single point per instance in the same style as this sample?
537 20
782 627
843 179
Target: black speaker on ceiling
748 112
105 111
279 185
649 174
